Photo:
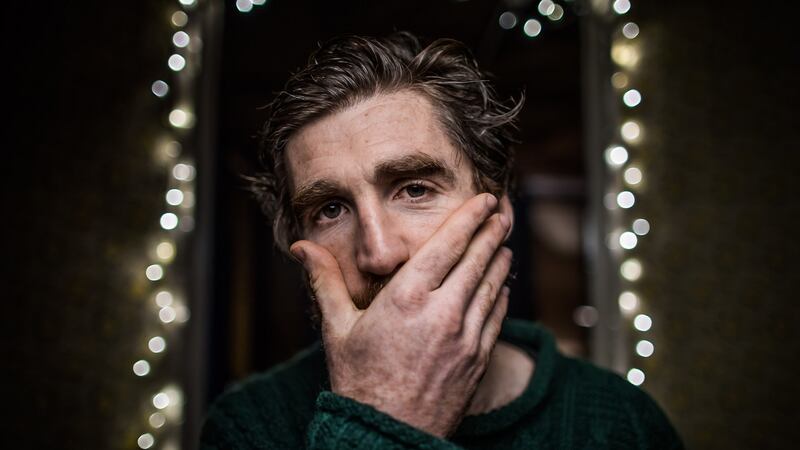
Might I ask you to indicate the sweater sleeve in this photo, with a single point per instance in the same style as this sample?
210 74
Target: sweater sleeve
337 422
340 422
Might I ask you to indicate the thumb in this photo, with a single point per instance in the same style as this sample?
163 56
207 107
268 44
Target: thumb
327 283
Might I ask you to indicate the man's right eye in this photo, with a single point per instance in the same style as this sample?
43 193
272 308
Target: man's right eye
331 210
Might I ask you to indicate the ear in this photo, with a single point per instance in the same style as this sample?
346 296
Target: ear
504 207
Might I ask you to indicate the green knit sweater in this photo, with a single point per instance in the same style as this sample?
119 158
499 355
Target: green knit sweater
568 404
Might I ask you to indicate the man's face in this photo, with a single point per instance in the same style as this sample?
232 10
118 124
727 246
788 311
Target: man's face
373 182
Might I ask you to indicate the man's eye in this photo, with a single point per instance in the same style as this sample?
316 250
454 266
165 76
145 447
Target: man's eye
416 190
331 210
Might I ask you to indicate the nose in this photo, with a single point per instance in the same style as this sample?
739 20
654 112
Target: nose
380 247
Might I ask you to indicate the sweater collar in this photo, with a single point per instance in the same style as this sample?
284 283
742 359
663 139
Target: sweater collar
540 346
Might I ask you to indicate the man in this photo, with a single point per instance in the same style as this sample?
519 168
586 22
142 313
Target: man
387 170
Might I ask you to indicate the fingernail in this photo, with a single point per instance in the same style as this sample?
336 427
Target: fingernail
506 290
299 254
491 201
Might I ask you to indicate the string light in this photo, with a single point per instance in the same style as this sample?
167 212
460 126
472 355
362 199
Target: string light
632 175
157 344
146 441
141 368
179 19
625 53
507 20
178 216
631 269
532 28
176 62
244 5
641 227
616 156
546 7
159 88
621 6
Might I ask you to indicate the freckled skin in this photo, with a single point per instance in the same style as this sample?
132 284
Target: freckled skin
424 351
346 146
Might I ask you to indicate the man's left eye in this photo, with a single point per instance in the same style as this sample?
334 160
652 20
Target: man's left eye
416 190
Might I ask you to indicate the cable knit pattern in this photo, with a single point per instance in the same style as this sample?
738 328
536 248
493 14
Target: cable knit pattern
568 404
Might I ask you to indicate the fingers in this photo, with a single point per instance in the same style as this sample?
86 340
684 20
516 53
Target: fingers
444 248
327 283
483 302
473 267
491 330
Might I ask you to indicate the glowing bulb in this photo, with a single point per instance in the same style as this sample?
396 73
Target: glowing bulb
624 54
507 20
180 118
616 156
146 441
532 28
642 322
183 172
176 62
557 14
169 221
164 298
546 7
630 30
619 80
628 301
159 88
187 2
631 270
632 175
161 400
641 227
154 272
625 199
627 240
244 5
167 314
179 18
157 344
174 197
157 420
635 377
621 6
180 39
141 368
632 98
165 251
630 131
645 348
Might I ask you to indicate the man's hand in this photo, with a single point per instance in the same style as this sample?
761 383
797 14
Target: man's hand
420 349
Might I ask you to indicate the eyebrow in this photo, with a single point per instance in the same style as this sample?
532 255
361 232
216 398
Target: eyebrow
416 165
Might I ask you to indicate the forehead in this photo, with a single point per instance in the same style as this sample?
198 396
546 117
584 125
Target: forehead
348 144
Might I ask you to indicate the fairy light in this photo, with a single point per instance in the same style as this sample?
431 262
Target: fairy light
532 28
167 308
507 20
626 46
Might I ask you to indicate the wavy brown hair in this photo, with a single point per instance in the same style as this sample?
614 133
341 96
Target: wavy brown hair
351 69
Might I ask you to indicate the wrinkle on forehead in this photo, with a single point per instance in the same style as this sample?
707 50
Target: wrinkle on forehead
379 127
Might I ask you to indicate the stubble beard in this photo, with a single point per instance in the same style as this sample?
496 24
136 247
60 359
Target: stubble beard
361 299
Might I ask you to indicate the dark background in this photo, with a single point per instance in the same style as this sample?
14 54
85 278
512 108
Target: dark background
82 193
